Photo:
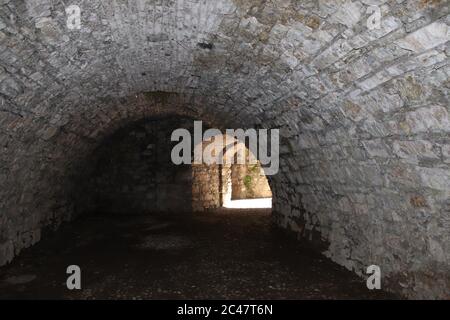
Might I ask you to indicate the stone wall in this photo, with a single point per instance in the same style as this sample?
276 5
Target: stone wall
249 182
134 173
206 187
363 113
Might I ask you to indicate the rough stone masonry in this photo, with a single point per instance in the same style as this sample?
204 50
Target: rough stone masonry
363 113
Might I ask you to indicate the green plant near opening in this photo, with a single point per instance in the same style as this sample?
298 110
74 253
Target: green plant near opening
248 182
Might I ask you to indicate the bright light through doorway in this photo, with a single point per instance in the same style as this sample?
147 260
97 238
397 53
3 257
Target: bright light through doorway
249 203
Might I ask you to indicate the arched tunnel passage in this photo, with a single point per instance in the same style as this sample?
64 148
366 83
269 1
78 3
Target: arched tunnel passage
362 110
150 229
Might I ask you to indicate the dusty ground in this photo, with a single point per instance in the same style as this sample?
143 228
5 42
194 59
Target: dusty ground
231 254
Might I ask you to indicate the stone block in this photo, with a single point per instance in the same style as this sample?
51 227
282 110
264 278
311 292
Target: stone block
414 150
428 119
426 38
435 178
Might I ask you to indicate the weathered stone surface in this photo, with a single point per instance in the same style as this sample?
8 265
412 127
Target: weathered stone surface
433 119
414 150
426 38
434 178
10 88
363 113
132 172
446 153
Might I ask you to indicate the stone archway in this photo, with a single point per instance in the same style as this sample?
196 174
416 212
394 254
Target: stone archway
363 113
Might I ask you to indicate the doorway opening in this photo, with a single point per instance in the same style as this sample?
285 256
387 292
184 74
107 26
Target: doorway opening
248 187
236 181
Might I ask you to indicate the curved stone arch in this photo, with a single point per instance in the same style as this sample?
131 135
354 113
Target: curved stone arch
226 154
363 113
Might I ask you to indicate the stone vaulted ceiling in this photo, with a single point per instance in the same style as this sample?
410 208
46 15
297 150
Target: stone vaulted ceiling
363 113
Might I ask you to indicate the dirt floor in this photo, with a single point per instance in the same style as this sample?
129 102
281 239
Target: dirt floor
230 254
